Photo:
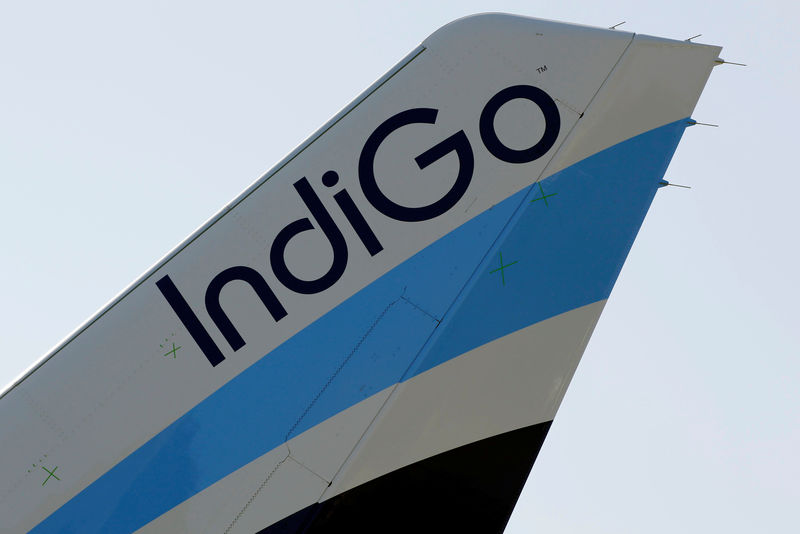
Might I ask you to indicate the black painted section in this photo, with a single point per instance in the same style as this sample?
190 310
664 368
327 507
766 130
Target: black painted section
469 489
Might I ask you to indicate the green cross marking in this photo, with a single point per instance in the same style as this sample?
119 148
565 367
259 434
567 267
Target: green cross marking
174 351
502 266
543 197
50 474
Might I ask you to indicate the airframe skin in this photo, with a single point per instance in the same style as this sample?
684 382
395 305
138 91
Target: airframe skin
376 335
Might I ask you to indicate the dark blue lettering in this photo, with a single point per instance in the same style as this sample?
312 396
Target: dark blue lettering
457 143
552 124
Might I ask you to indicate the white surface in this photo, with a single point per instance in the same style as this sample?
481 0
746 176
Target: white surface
108 115
651 70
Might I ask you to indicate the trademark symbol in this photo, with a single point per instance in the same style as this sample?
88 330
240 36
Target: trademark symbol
541 69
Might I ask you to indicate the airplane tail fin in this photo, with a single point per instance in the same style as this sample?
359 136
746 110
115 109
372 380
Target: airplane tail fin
383 324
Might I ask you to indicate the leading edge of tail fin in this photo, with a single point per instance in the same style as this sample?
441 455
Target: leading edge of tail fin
421 275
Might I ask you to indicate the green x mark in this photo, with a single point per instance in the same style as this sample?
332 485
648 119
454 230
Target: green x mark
543 197
501 268
50 474
174 351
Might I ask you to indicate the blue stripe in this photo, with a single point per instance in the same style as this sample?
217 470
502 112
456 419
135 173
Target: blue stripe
438 304
569 251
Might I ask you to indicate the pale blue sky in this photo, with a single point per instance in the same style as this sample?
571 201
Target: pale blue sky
123 128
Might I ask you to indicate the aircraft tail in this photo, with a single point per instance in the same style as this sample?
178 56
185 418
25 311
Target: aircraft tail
377 334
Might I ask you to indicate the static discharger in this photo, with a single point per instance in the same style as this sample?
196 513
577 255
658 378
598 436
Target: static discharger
720 61
693 122
664 183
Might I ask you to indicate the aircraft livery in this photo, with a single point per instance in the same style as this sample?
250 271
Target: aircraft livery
376 335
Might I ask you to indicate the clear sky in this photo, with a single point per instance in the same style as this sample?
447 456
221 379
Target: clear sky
124 127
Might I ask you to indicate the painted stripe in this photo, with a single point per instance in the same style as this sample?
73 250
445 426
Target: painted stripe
510 383
569 250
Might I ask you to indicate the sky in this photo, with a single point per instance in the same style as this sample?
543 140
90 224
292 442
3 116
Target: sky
124 126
